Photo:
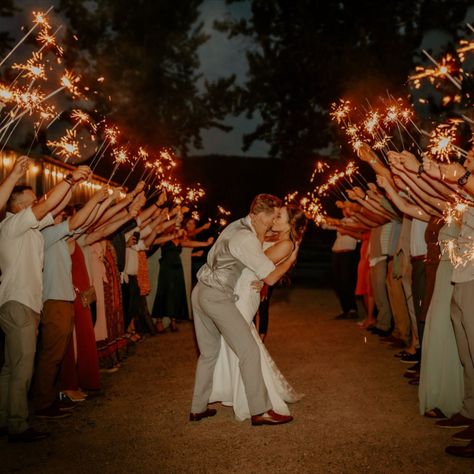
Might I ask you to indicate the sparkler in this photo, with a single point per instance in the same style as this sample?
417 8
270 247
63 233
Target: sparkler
319 168
48 40
340 111
442 145
39 20
141 155
455 210
310 204
33 68
120 157
194 194
443 69
67 147
401 116
222 216
32 100
291 197
111 136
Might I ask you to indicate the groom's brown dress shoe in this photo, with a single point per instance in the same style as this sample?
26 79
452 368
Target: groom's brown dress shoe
270 418
462 451
204 414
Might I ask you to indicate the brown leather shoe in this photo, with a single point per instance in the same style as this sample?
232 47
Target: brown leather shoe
465 435
462 451
270 418
456 421
205 414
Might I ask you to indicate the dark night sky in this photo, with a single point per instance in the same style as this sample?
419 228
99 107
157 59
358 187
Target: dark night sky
219 57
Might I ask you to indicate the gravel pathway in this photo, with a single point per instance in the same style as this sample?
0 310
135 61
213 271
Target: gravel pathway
358 416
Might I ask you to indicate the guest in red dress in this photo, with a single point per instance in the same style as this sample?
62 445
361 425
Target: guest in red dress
81 365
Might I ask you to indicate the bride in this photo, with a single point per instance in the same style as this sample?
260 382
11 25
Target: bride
228 388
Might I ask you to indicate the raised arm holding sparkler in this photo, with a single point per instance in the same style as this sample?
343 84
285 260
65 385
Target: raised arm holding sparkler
368 155
17 172
403 204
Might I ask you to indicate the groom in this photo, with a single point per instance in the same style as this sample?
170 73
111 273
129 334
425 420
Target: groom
215 313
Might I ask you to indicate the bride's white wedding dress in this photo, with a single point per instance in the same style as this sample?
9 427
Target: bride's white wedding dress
228 387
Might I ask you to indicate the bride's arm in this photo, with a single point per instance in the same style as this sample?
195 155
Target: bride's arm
280 251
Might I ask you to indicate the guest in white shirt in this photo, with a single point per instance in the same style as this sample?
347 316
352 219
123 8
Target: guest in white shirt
21 264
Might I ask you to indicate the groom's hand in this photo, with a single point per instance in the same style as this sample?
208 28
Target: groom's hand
257 285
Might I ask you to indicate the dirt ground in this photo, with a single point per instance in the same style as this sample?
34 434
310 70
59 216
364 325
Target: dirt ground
358 414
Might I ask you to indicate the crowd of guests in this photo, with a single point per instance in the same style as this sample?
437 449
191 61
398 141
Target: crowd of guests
405 246
80 285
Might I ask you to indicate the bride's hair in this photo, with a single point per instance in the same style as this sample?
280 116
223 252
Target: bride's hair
297 220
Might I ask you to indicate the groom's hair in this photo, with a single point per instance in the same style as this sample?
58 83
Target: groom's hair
265 203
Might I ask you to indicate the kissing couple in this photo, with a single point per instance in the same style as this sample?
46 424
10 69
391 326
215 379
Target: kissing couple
234 366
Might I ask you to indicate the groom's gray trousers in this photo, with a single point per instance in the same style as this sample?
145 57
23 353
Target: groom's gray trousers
215 314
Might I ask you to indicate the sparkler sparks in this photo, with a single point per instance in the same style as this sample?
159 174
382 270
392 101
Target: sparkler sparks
67 147
372 123
455 210
40 19
194 194
441 146
33 68
291 197
69 81
143 154
120 156
48 40
465 46
6 94
111 134
82 117
446 68
340 111
319 168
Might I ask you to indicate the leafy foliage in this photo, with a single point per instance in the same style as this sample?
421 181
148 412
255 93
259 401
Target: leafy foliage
147 52
307 54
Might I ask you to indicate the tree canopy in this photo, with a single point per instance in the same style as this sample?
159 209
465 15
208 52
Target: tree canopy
307 54
146 51
7 9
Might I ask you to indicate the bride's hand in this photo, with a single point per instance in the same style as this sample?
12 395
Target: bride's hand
257 285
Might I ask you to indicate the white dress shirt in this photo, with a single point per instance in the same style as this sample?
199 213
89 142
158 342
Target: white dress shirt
21 258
